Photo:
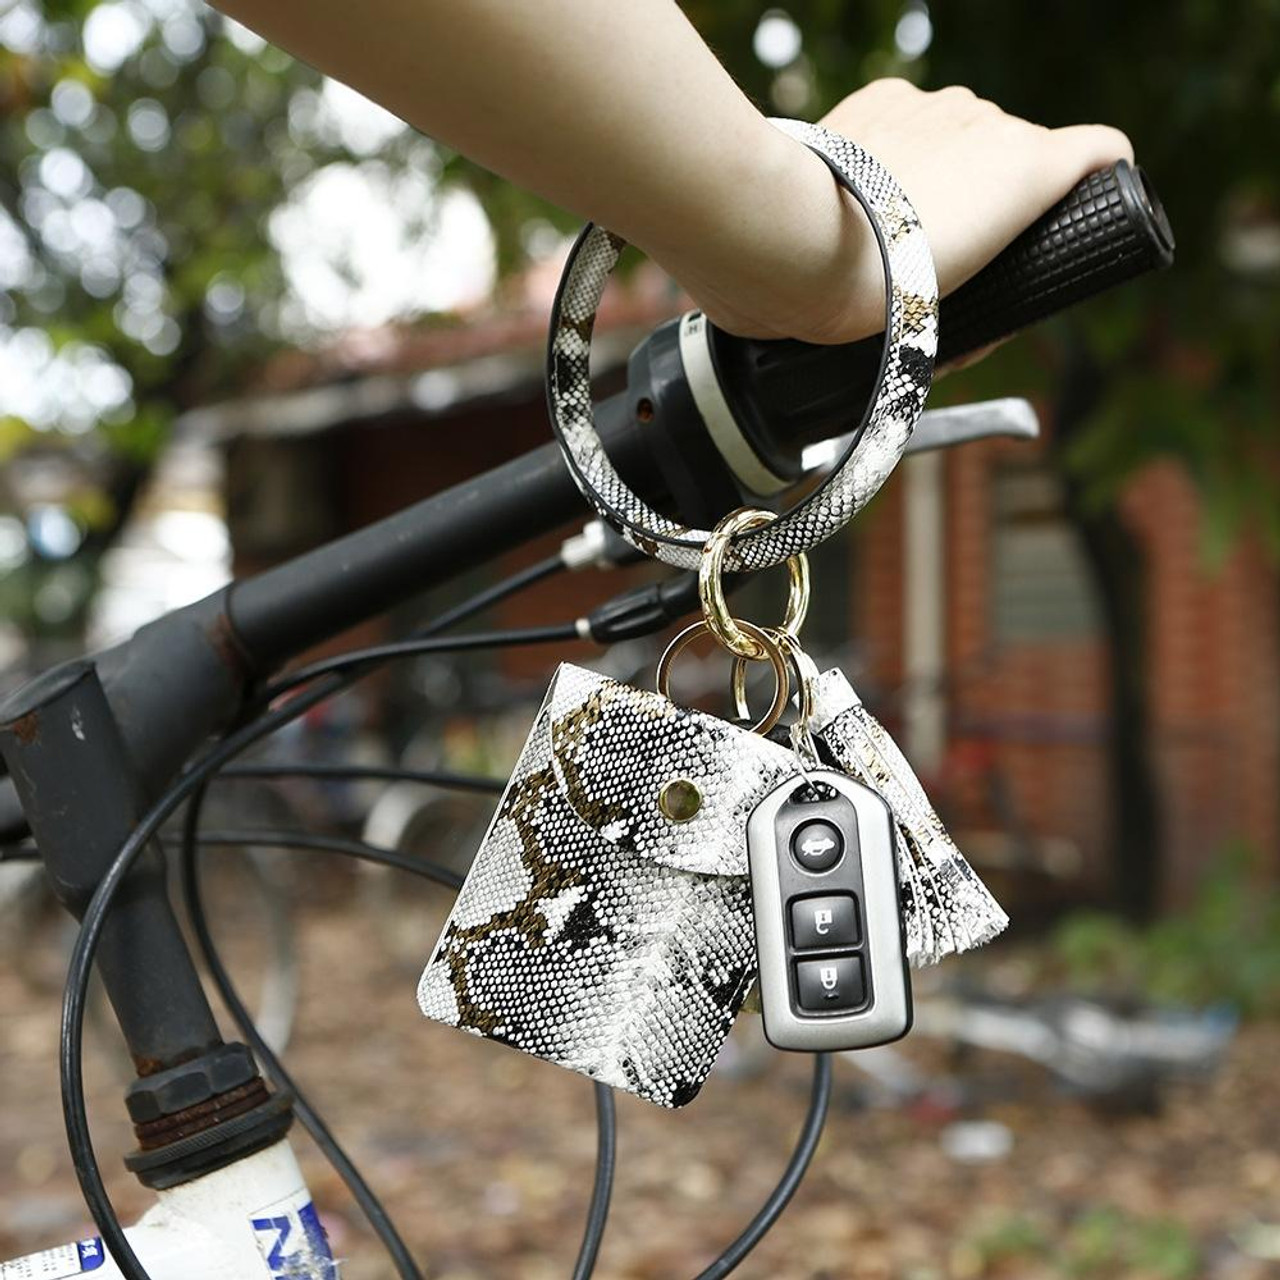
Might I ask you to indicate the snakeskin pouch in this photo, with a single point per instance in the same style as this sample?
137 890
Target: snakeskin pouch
593 930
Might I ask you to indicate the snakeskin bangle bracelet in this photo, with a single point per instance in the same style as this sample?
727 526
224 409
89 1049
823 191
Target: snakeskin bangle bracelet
906 369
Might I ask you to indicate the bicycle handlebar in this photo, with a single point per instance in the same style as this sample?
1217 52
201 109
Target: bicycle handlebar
185 676
1107 230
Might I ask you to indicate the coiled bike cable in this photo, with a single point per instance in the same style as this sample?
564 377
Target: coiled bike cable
325 678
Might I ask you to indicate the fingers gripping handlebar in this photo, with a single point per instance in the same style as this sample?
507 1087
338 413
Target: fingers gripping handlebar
780 396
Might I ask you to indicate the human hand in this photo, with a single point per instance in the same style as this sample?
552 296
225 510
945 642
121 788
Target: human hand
976 176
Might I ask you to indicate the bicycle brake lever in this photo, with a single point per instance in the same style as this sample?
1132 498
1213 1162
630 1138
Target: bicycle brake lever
958 424
1009 416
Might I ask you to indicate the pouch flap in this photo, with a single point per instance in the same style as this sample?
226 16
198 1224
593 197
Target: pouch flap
614 748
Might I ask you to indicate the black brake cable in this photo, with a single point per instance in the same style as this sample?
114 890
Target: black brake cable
385 773
482 600
282 838
363 1194
780 1196
606 1123
602 1189
489 596
356 663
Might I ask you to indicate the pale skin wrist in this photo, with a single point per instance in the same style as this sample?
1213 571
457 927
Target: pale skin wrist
784 232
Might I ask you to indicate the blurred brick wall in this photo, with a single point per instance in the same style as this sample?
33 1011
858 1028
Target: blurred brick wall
1215 672
1031 716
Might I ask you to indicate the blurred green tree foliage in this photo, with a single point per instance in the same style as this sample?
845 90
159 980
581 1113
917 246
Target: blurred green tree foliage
144 147
134 184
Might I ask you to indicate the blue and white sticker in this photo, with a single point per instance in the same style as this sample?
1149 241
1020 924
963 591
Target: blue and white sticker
292 1240
77 1259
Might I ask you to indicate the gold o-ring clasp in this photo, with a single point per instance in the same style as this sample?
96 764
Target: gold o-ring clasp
766 646
806 672
728 630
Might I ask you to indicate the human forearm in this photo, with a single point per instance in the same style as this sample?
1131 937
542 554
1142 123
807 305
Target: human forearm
614 109
617 111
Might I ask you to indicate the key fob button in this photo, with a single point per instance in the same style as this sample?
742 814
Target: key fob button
817 845
825 923
830 986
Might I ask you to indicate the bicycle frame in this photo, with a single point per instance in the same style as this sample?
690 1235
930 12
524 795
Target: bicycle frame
252 1220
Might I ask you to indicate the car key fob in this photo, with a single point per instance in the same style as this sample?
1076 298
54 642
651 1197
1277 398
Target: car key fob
824 885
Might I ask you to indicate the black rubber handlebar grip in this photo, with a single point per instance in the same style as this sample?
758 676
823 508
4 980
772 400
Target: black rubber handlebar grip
1107 230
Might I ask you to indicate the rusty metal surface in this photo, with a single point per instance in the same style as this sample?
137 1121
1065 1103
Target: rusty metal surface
203 1115
27 728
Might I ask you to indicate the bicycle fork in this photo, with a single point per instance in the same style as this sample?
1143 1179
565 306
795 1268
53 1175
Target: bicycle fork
231 1201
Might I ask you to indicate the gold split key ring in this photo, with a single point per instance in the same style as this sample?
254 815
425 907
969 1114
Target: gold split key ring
746 641
715 610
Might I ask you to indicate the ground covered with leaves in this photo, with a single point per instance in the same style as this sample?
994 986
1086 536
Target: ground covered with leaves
485 1158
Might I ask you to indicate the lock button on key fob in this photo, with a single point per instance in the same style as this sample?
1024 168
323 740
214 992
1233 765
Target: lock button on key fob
824 885
824 923
817 845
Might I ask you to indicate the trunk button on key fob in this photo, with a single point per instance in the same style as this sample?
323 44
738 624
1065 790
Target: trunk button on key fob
817 845
825 924
830 986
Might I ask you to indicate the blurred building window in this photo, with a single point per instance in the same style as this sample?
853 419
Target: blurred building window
1041 589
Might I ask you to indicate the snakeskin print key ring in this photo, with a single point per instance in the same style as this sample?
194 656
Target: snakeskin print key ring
906 370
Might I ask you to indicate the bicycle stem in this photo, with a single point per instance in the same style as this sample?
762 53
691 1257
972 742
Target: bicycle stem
86 815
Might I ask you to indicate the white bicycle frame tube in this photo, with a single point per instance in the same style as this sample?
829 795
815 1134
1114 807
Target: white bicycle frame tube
253 1220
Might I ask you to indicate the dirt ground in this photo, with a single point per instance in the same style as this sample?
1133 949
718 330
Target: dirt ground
485 1158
